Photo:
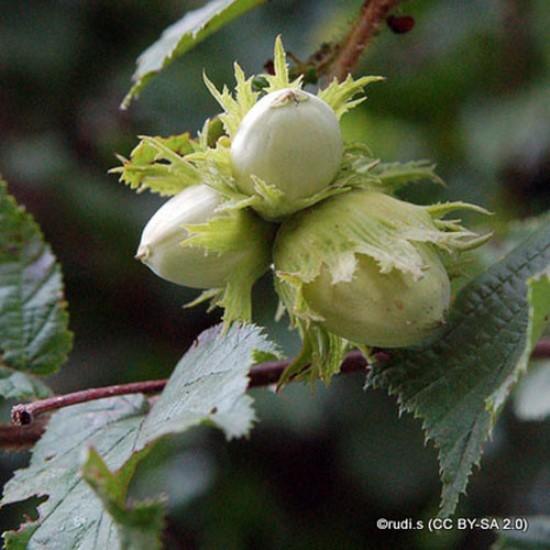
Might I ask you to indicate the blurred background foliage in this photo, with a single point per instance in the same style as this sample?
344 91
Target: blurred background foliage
468 88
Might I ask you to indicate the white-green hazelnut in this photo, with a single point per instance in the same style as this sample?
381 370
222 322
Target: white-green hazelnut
291 140
367 267
167 249
383 309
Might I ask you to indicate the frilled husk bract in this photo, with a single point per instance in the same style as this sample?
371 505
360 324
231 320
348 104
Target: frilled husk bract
367 267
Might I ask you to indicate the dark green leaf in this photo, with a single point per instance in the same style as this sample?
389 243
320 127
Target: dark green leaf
208 386
458 383
183 35
34 338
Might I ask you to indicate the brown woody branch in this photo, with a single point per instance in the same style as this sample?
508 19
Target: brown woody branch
372 16
30 421
264 374
24 414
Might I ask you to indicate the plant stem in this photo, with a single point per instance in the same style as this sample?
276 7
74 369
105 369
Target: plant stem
373 14
263 374
24 414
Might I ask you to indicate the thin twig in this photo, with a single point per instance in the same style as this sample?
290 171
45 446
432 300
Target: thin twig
24 414
373 14
263 374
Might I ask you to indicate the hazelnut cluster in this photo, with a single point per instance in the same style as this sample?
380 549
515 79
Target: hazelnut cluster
269 184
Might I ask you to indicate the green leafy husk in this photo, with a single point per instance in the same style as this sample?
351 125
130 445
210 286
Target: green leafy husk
333 234
243 232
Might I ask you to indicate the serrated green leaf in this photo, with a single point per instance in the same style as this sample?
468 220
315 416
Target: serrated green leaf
192 28
208 386
458 383
73 517
34 338
536 537
139 525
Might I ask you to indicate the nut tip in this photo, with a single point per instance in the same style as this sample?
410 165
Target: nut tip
142 253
